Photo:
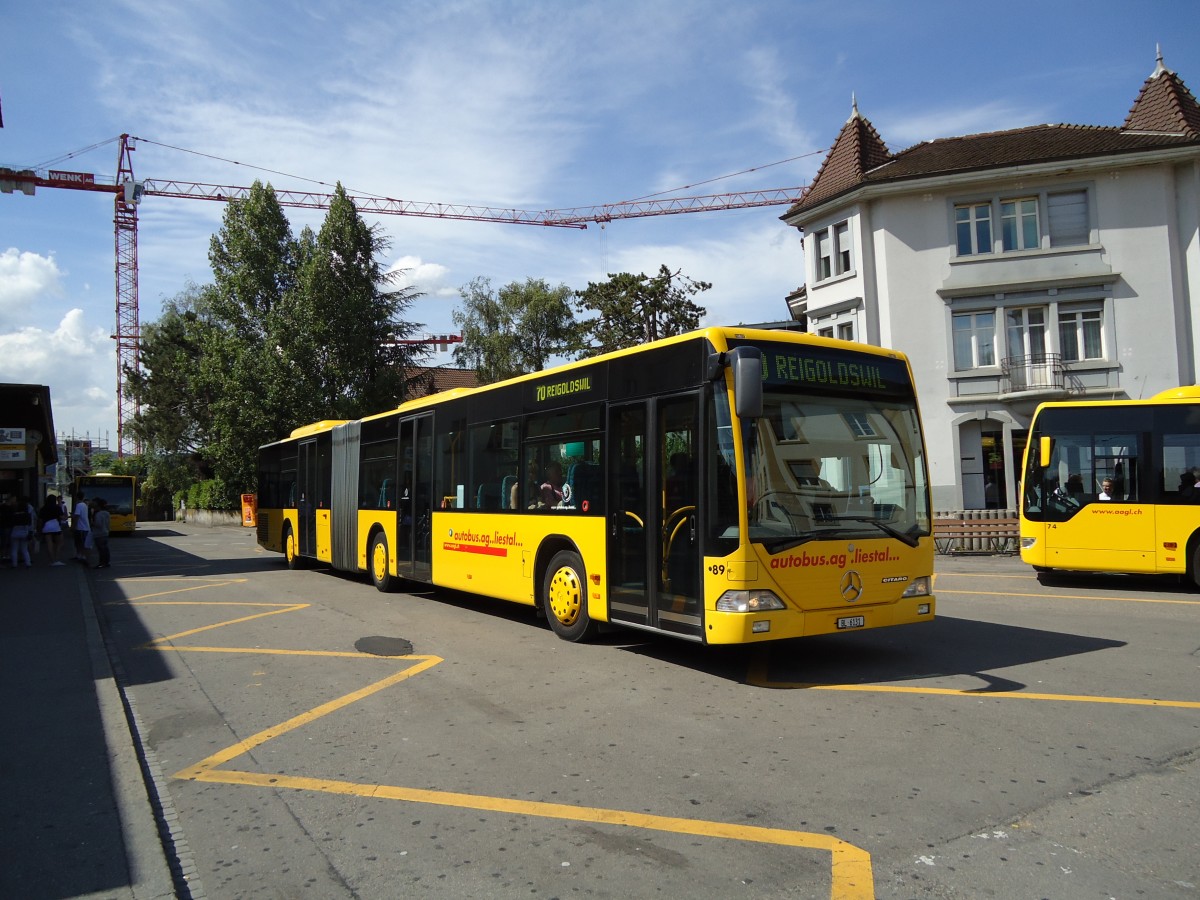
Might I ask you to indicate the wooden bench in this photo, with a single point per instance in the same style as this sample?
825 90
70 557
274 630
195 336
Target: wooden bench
958 535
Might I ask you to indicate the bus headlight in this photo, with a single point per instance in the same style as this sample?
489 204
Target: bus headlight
1028 542
918 588
748 601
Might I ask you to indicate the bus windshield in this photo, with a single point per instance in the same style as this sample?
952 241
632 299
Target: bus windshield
821 467
116 491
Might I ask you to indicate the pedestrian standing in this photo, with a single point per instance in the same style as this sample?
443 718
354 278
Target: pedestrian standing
80 526
22 529
7 508
50 517
100 520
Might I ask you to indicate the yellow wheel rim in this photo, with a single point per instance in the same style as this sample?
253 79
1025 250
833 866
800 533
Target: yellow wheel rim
566 596
289 547
379 561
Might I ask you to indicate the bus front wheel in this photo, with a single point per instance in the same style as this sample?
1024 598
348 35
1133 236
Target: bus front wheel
564 597
380 562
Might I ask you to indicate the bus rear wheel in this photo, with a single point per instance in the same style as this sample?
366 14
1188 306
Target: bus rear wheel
564 598
380 561
291 551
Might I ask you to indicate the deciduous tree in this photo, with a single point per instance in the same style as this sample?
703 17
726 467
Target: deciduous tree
517 330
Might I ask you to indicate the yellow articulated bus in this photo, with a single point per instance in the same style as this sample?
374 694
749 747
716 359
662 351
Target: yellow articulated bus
118 491
1111 486
724 486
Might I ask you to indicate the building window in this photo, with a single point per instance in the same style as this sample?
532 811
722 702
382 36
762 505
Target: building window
1067 213
1080 332
973 223
841 241
825 332
845 331
1027 333
834 256
824 257
1019 224
974 340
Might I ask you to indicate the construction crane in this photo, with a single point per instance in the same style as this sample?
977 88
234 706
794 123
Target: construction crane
128 193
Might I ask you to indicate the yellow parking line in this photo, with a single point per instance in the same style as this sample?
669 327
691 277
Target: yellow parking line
757 677
1074 597
851 874
182 634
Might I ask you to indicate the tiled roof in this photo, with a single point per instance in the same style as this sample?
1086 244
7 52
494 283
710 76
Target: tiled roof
857 150
427 380
1165 114
1165 105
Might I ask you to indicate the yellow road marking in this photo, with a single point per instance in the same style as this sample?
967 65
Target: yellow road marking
171 637
851 873
758 676
1075 597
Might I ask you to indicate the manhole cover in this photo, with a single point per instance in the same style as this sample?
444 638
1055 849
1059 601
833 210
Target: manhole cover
377 645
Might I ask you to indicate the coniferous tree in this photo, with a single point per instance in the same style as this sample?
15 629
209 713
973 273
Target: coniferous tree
637 309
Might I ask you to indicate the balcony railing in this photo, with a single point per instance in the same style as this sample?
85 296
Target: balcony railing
1038 373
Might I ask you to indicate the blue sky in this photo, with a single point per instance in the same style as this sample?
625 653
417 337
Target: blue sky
533 105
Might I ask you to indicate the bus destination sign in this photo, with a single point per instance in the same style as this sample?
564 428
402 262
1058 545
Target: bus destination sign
554 390
831 368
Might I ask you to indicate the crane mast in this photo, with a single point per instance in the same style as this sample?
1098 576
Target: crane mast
128 192
128 333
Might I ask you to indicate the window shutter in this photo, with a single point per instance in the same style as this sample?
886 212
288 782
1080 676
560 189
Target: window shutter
1068 214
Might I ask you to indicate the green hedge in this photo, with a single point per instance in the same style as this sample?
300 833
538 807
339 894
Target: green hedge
211 494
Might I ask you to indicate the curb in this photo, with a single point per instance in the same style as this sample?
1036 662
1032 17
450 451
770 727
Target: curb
159 863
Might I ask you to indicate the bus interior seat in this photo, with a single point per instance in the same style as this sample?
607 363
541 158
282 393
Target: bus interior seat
584 479
488 496
506 487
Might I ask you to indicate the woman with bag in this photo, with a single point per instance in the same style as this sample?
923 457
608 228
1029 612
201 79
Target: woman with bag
51 528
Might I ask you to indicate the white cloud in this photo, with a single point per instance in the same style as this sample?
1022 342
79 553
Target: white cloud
78 363
427 277
25 278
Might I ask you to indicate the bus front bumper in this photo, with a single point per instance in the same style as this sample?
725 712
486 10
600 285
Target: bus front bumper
775 625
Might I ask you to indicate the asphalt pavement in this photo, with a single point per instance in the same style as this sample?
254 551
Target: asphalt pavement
80 811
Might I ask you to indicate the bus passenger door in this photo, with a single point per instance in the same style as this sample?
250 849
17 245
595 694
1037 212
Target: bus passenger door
677 495
629 523
653 547
415 502
306 503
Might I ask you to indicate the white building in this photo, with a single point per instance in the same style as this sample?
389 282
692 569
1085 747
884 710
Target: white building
1046 262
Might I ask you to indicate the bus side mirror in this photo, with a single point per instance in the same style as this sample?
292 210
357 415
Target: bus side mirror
747 382
1045 451
746 363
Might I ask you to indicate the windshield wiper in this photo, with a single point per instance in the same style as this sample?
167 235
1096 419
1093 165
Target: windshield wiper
882 526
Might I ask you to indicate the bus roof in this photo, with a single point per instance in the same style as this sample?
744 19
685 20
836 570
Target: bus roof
317 427
719 336
1188 393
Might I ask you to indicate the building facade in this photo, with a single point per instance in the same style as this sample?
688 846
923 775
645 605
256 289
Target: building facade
1047 262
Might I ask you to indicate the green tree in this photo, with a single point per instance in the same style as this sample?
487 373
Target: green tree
290 332
349 320
637 309
173 413
516 330
246 371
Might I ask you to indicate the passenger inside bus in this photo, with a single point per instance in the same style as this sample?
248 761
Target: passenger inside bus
552 487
